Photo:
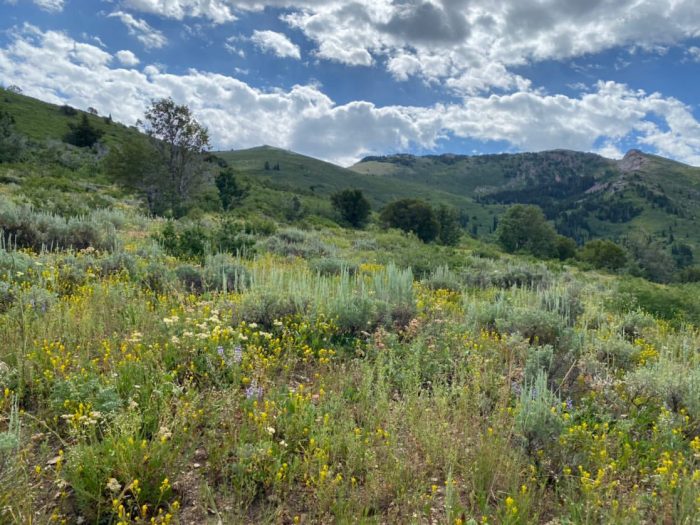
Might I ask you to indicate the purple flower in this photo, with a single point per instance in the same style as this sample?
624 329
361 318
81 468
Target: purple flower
569 403
237 354
220 351
254 391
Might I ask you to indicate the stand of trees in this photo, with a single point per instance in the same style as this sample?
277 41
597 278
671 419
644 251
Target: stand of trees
417 216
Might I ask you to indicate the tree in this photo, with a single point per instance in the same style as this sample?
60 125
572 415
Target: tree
180 141
524 228
682 254
135 164
450 232
353 207
83 134
11 143
603 254
566 248
230 191
412 215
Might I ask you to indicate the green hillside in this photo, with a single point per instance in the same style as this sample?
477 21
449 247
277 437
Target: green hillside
252 360
302 174
587 196
43 121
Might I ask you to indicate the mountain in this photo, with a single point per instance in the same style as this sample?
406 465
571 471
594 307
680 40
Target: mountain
586 195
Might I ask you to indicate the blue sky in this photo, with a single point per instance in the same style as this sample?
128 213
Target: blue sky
339 80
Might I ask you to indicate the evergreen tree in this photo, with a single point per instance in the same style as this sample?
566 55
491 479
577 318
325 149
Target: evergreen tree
230 191
83 134
353 207
450 232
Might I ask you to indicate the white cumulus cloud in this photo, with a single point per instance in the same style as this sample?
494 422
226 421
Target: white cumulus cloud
52 66
139 28
127 58
275 43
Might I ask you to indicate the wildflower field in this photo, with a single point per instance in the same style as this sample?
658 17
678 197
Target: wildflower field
321 379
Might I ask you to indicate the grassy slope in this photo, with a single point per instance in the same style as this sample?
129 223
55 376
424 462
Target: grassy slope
40 120
488 174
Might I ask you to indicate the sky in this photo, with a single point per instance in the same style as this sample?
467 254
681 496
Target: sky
343 79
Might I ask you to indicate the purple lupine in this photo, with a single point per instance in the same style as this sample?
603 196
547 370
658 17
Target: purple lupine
237 354
569 404
220 351
254 391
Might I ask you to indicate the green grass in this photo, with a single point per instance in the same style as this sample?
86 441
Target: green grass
41 121
322 374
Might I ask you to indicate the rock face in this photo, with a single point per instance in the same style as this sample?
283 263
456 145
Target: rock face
634 160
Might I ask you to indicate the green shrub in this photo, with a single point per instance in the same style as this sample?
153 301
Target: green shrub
267 307
332 266
190 277
117 262
537 417
158 277
296 243
442 279
222 273
538 327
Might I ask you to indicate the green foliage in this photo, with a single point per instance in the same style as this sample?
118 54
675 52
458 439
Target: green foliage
450 230
412 215
12 144
603 254
352 206
135 164
180 142
83 134
231 192
566 248
25 227
523 228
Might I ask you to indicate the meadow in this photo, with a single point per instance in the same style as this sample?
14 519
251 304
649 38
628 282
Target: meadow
318 379
255 360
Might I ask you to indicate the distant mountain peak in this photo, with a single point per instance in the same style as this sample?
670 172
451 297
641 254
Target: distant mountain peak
634 160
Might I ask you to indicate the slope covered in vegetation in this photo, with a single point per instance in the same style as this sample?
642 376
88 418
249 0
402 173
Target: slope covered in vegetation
264 364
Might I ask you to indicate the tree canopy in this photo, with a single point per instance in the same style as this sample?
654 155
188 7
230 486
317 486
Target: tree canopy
353 206
523 228
412 215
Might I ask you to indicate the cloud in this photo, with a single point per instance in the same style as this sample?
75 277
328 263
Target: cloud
51 66
50 5
469 46
694 53
144 33
127 58
275 43
218 11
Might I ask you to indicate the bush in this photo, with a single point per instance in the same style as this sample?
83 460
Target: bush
32 229
523 228
538 327
190 277
442 279
12 144
537 419
223 274
603 254
352 206
83 134
296 243
332 266
412 215
267 307
117 262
